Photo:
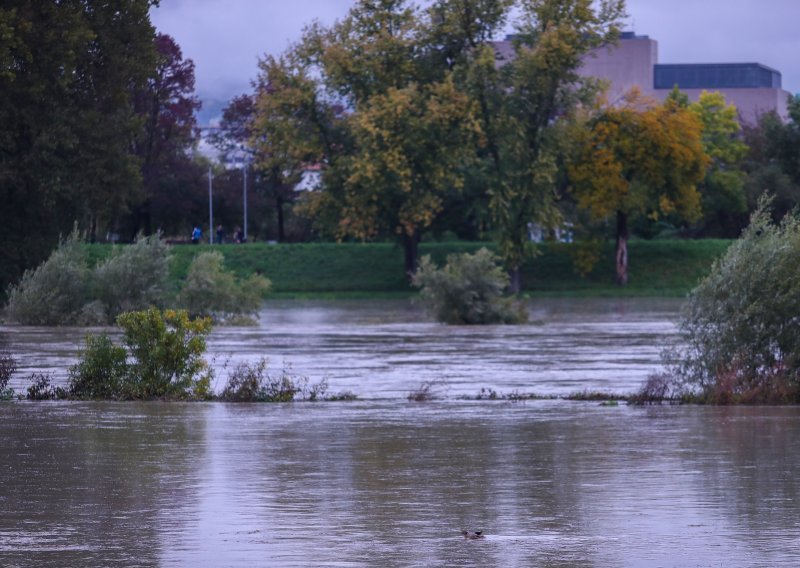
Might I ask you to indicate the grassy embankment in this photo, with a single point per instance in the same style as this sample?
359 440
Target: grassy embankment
657 268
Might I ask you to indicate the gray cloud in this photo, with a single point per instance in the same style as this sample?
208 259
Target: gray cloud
225 38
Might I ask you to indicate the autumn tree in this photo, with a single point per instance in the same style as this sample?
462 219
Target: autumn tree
291 128
402 135
522 103
400 71
723 200
639 159
412 144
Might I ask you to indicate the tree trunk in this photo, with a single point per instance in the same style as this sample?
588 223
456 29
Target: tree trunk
93 230
144 220
279 211
622 248
411 251
515 280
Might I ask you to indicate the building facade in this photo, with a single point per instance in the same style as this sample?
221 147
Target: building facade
752 87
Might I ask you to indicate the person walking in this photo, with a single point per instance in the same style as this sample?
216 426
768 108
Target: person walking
197 234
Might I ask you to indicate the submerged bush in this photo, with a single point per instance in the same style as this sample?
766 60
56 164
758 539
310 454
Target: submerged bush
102 370
64 291
41 388
167 353
209 290
741 327
469 289
133 278
162 358
55 292
252 383
427 391
8 366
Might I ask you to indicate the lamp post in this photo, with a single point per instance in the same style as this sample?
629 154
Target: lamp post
244 167
210 208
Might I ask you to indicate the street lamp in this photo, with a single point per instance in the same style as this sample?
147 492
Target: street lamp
244 167
210 208
245 161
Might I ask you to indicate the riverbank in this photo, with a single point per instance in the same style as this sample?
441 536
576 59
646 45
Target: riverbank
664 268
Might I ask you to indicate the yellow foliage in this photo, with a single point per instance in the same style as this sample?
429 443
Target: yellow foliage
640 158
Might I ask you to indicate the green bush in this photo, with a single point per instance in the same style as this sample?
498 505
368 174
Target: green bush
167 353
133 278
211 291
740 328
65 291
101 372
468 290
55 292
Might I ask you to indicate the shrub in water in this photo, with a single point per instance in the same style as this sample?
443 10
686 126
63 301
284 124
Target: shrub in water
133 278
252 383
64 291
167 353
101 371
468 290
42 388
55 292
8 366
740 328
209 290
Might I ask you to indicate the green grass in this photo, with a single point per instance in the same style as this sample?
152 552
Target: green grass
657 268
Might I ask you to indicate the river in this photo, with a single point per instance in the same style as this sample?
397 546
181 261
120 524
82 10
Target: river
382 481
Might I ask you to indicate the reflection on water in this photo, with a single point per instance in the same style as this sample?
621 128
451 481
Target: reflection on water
392 483
385 349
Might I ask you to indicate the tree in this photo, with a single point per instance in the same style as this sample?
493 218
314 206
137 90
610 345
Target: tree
739 333
773 160
722 191
522 104
412 145
167 106
639 159
397 148
723 198
289 128
68 72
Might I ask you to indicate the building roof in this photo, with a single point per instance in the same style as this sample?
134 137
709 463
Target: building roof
715 76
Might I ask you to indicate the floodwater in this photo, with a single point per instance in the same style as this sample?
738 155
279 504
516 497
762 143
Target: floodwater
386 349
386 482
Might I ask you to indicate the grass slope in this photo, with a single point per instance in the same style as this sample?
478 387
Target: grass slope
657 268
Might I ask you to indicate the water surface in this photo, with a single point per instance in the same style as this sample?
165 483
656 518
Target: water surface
387 482
392 483
385 349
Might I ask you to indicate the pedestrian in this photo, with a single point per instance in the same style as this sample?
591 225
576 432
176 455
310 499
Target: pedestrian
238 236
197 234
220 234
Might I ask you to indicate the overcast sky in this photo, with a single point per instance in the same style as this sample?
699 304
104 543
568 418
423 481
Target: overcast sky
225 38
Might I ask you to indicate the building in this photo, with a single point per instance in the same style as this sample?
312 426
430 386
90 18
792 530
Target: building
752 87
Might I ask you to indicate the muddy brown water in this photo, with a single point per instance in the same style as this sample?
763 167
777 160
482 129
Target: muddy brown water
385 482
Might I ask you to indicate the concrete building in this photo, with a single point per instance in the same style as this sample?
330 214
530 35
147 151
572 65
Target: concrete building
752 87
633 62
